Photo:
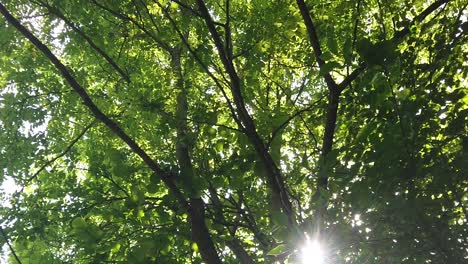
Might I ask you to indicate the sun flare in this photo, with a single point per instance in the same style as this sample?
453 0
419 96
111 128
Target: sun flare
312 253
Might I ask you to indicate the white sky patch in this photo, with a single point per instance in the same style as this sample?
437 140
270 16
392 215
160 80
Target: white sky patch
228 193
356 221
81 174
259 183
442 116
58 44
8 188
464 16
249 109
29 129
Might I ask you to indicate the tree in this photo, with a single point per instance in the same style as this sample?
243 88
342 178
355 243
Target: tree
172 131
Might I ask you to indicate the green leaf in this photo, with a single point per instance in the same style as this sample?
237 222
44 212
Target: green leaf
79 223
279 218
328 67
326 56
332 43
219 146
348 50
278 250
195 247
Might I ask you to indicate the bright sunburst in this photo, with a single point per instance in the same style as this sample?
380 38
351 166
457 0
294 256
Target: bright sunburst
312 253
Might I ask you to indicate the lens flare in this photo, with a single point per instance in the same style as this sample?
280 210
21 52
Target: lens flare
312 253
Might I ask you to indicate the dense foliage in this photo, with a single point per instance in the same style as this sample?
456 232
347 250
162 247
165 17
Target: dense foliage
234 131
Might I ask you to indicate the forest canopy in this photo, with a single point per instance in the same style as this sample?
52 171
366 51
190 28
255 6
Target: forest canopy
234 131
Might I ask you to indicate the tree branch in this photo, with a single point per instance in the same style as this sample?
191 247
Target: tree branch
285 123
167 177
162 44
91 43
205 68
228 38
233 242
69 147
314 41
5 237
335 90
333 99
419 18
397 37
350 78
200 232
274 176
195 208
190 9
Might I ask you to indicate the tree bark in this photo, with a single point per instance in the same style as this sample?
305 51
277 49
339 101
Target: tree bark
195 208
200 232
274 177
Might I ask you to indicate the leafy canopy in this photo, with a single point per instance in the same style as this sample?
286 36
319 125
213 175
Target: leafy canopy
189 131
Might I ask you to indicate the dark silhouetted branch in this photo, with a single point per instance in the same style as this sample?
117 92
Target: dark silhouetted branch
314 41
419 18
285 123
158 41
69 147
5 237
90 42
167 177
274 176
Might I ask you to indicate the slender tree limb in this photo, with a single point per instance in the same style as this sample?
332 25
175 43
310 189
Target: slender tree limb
158 41
332 111
200 232
396 38
90 42
286 122
228 38
246 213
205 68
67 149
190 9
382 21
7 241
318 52
230 69
311 133
350 78
419 18
167 177
233 243
274 176
332 107
314 41
335 91
356 23
195 208
148 13
138 13
302 87
333 102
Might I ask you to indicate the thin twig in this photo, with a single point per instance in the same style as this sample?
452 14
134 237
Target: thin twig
5 237
67 149
91 43
286 122
206 69
166 176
